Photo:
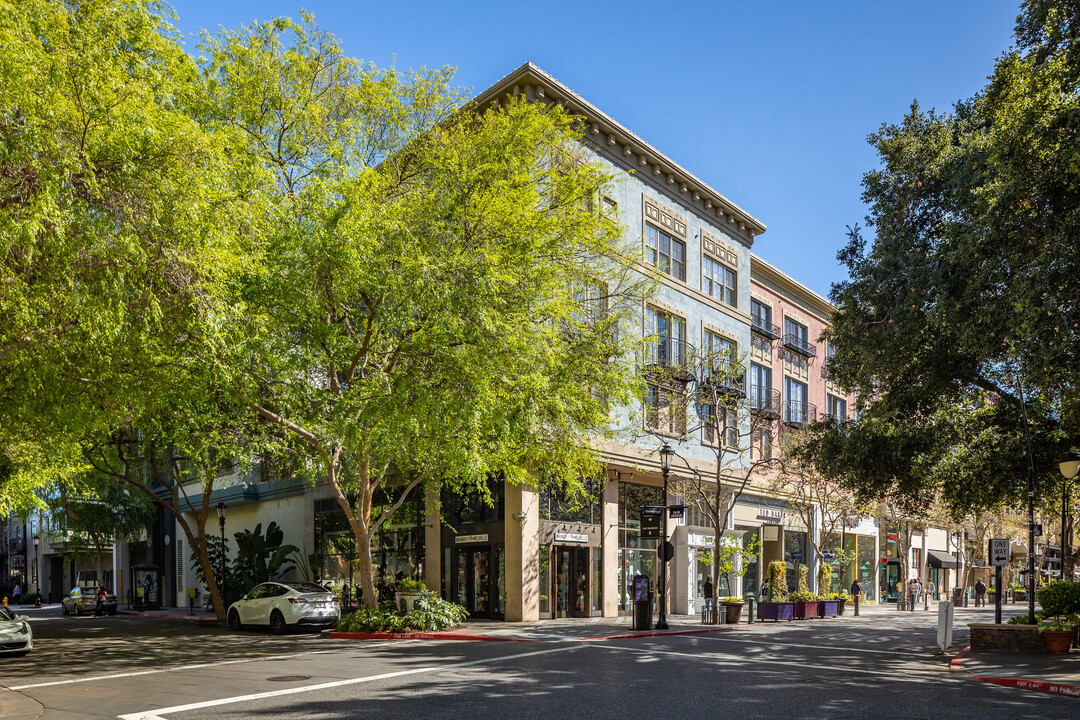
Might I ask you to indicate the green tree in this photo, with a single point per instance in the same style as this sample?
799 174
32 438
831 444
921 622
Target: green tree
968 287
439 294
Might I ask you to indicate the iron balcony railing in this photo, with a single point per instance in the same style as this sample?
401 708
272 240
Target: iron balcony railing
764 400
796 343
762 327
670 357
722 375
799 412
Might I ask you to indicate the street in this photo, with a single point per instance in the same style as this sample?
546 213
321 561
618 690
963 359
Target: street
881 665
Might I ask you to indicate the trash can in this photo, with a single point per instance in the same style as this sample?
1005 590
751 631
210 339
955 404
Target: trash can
957 595
642 603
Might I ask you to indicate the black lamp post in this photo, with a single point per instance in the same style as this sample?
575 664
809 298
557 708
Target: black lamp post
665 468
37 570
1069 464
224 581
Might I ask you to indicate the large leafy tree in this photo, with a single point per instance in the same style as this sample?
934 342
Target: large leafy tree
119 219
966 296
439 295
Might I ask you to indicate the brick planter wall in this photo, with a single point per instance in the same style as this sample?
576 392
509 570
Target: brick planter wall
990 638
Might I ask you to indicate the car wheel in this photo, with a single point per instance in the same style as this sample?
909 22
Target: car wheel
234 620
63 609
277 623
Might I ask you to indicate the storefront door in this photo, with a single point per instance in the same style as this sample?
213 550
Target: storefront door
571 581
474 580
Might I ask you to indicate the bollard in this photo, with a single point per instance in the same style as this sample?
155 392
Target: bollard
856 606
750 617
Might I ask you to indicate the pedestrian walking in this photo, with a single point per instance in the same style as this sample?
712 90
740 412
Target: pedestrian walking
931 590
99 608
856 588
708 593
980 592
16 594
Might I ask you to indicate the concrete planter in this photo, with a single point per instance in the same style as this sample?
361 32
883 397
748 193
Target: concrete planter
733 612
406 602
1058 642
991 638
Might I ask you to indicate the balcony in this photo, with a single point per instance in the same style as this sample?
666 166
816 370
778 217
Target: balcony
764 401
668 358
763 328
720 375
796 344
799 413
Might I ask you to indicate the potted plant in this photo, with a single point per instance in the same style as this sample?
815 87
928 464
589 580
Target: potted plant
827 603
1058 631
409 593
805 601
776 607
841 602
732 609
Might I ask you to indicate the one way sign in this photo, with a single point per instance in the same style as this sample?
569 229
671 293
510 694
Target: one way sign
998 552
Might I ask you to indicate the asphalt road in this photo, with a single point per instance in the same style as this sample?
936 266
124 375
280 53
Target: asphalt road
873 667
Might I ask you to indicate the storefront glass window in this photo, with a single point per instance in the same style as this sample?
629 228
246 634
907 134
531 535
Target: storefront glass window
597 580
580 505
795 556
750 559
636 556
866 563
545 580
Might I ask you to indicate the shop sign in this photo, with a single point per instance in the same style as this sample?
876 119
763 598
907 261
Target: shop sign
771 514
650 527
470 538
571 537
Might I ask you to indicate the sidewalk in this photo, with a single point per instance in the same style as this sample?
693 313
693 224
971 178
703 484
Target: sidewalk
196 615
16 706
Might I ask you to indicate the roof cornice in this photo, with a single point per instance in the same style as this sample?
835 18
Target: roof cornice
764 272
624 146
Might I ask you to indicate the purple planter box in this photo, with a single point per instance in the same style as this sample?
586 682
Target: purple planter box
828 608
776 611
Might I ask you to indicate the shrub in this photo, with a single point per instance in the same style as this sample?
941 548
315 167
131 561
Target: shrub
1060 597
408 585
777 581
802 596
431 613
803 573
824 578
1018 620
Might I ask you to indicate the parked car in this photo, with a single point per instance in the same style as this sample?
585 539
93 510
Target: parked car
84 600
16 637
281 605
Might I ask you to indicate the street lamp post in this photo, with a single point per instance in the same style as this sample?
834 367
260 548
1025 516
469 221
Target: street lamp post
665 468
1069 464
37 570
224 581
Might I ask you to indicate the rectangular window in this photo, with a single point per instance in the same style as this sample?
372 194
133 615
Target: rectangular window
719 281
665 409
837 407
724 421
795 334
760 314
591 301
665 252
761 448
666 335
760 387
795 405
609 209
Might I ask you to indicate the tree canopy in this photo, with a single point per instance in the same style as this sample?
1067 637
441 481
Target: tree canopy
962 314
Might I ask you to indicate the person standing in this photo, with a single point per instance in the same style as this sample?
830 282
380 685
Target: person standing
708 594
99 608
980 592
856 589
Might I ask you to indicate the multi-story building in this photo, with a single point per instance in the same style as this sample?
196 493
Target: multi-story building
530 555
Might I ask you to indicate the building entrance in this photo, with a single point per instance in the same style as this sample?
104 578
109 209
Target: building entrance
571 581
473 580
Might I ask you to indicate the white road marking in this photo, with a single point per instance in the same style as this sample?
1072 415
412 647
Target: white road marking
157 714
171 668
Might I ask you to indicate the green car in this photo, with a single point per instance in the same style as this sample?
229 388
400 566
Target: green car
83 600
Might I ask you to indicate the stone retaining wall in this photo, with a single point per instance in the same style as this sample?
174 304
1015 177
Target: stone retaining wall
990 638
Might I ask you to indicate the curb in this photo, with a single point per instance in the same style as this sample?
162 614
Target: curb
424 636
1037 685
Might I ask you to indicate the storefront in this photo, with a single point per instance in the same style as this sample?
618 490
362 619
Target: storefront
473 562
636 556
570 570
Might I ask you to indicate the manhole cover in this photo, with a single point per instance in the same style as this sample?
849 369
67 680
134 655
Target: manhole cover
288 678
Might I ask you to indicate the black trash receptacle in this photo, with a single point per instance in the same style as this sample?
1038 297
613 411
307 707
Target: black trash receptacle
642 603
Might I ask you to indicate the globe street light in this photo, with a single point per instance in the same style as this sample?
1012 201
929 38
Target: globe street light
224 581
1069 464
665 468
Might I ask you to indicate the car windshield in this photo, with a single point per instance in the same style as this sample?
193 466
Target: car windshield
308 587
6 614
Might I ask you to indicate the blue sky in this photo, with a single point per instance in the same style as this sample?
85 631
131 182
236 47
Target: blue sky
768 102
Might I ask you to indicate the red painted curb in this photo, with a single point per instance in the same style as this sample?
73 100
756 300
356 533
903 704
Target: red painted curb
423 636
195 618
1037 685
954 664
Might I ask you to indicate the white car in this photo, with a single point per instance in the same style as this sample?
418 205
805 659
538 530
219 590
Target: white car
16 637
284 604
